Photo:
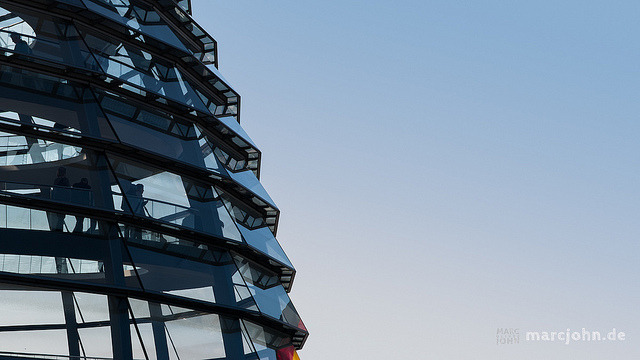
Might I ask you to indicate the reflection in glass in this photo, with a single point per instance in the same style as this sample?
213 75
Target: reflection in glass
141 69
249 180
242 214
23 150
50 104
265 341
136 15
45 37
262 239
215 281
268 293
164 196
152 130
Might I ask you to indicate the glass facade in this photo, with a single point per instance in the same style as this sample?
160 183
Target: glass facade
133 224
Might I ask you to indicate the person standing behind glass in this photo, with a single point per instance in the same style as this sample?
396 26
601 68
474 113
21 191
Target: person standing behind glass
21 46
84 198
60 192
138 203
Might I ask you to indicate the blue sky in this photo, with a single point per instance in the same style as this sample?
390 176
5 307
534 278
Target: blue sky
446 168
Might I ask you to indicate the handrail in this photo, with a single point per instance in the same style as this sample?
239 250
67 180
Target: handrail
3 187
66 131
50 189
25 35
14 24
152 200
41 186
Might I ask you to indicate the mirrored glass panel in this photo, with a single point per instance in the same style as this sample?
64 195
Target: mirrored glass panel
232 123
269 344
249 180
170 244
23 150
241 212
185 5
141 69
216 282
138 16
152 130
28 33
230 162
262 239
50 104
168 197
268 293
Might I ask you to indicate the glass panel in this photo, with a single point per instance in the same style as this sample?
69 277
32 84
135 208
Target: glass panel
22 150
247 345
30 253
15 217
217 282
138 16
44 37
230 162
185 4
96 342
169 244
177 333
267 342
26 310
141 69
43 342
268 293
91 307
251 182
83 180
194 335
92 311
232 123
47 265
25 306
155 131
262 239
142 341
168 197
242 213
50 104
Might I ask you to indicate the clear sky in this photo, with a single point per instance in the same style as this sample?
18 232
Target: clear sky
447 168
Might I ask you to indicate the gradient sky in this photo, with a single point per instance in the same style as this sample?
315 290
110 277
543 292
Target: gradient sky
447 168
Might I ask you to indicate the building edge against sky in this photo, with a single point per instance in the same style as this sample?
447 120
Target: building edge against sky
132 219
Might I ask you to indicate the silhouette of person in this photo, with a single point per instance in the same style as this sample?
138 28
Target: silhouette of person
138 203
21 46
56 220
83 184
61 177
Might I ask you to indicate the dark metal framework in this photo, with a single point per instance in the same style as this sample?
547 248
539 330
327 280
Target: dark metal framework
132 221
